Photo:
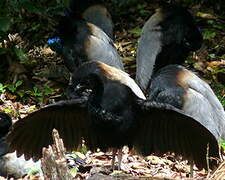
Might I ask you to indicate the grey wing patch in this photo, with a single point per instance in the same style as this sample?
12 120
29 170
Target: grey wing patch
201 103
98 32
102 50
11 165
99 16
149 46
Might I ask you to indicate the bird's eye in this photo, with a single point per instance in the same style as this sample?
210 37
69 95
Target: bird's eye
78 87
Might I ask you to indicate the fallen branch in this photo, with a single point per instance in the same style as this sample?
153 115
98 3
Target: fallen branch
53 163
219 174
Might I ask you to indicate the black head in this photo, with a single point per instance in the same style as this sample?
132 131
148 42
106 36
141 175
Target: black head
178 22
5 124
68 24
72 31
86 79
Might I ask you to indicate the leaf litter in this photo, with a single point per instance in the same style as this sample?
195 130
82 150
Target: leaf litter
209 62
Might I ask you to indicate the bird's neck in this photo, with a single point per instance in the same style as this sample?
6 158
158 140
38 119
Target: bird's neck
97 92
146 65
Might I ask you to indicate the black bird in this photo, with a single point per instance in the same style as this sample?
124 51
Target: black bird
10 165
167 38
95 12
173 84
114 114
78 41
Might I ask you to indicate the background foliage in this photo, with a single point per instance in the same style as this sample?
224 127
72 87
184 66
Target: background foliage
25 25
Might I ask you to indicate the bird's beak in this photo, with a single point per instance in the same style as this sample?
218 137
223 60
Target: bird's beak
78 91
82 90
74 92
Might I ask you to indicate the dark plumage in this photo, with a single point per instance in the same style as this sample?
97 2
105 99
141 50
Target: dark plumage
173 84
86 41
81 37
114 113
5 124
82 41
10 165
167 38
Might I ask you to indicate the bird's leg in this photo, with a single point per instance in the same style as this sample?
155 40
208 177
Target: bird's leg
120 155
113 158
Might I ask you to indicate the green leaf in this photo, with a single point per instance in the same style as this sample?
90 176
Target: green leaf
33 172
7 110
4 51
36 27
48 90
83 149
73 171
33 169
35 89
208 34
2 88
18 83
21 55
74 155
40 99
213 56
21 93
37 92
15 5
190 60
11 87
31 6
215 24
5 23
135 31
222 144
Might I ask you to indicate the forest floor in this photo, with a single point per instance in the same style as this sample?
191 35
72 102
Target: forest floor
49 79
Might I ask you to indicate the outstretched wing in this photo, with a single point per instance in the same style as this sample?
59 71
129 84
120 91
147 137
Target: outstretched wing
30 134
163 128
